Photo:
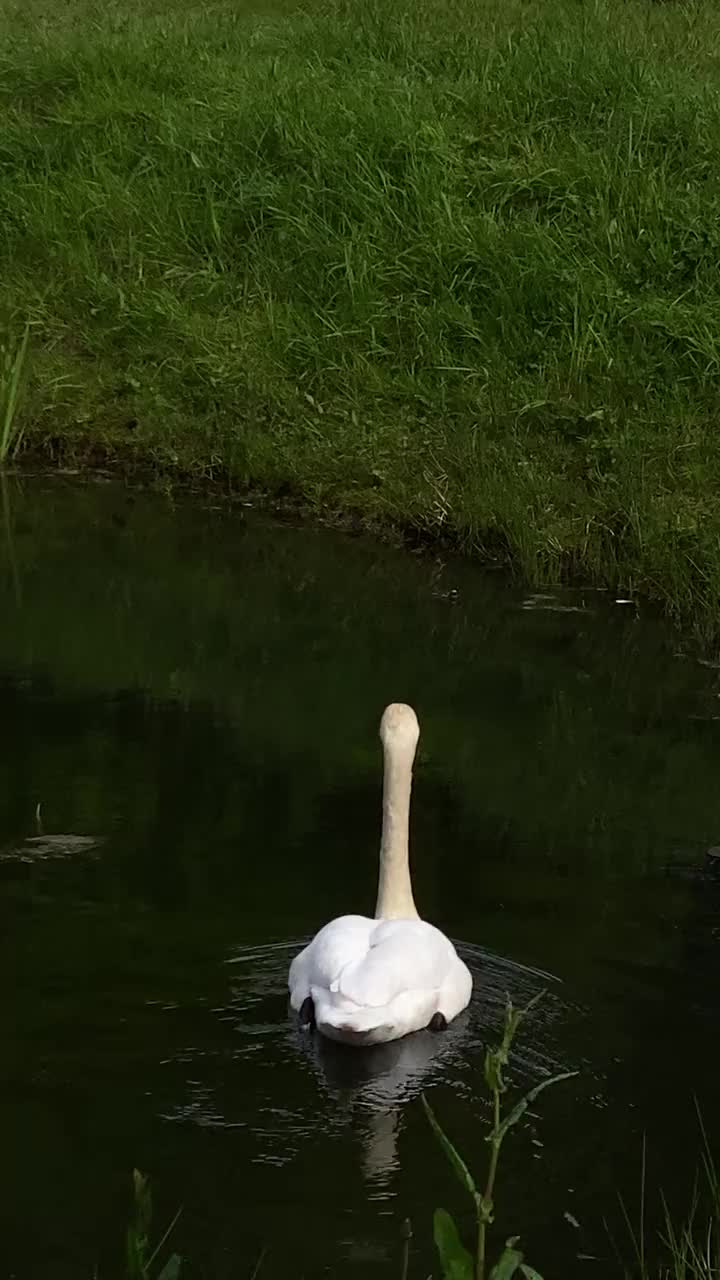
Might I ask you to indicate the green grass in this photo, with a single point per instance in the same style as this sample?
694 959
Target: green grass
12 361
688 1249
452 264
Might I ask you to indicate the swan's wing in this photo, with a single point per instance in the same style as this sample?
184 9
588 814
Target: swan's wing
340 943
402 956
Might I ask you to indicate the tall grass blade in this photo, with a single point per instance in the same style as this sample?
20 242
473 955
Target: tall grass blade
13 363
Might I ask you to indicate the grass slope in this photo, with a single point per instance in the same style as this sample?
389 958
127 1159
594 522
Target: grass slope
453 263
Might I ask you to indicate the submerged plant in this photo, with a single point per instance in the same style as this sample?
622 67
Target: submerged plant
456 1260
141 1256
12 363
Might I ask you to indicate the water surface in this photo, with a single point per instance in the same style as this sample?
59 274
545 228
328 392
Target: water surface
192 696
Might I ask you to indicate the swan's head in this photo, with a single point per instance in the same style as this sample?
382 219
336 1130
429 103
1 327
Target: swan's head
399 730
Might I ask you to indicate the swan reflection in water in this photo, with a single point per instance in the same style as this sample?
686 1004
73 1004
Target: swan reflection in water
249 1065
367 1089
377 1082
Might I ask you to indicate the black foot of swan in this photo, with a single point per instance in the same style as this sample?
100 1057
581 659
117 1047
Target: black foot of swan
307 1014
438 1022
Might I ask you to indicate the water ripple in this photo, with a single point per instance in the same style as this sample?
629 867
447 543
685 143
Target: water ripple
284 1086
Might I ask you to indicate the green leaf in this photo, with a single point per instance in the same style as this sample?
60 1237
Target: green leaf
521 1107
529 1272
456 1261
508 1262
453 1156
495 1060
171 1270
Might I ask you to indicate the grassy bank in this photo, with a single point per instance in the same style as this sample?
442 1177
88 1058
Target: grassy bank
453 263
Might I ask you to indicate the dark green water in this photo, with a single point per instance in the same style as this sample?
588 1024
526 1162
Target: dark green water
199 691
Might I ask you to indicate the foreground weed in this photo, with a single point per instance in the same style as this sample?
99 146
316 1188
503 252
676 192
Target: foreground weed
690 1251
141 1256
457 1262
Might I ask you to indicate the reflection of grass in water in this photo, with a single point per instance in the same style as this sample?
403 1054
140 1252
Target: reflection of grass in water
7 527
614 780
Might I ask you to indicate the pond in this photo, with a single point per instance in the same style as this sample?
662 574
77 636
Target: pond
191 694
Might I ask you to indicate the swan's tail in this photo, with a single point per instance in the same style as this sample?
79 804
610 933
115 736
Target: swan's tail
340 1019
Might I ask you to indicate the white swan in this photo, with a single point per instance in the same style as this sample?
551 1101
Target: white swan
366 981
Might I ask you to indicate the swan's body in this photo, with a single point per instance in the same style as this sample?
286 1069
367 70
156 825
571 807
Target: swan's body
376 980
364 981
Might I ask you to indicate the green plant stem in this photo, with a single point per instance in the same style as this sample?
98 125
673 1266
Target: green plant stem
457 1261
485 1203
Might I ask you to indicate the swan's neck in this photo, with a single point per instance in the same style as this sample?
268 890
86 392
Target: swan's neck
395 897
